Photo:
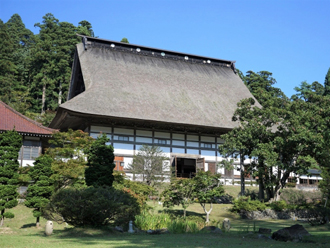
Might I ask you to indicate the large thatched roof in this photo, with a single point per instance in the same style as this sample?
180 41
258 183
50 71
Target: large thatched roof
129 82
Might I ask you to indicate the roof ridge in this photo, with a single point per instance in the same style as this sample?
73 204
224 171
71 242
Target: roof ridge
27 118
143 50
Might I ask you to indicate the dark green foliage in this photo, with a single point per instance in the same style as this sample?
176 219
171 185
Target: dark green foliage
283 135
299 199
8 215
324 185
148 164
92 207
85 28
124 40
39 193
68 150
100 163
137 187
10 144
207 189
246 204
35 69
261 86
138 190
180 192
327 83
52 58
278 205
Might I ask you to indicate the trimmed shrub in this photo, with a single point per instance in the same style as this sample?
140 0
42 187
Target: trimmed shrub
246 204
278 205
92 207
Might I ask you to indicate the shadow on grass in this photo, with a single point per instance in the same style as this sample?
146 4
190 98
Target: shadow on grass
242 234
28 225
81 237
179 213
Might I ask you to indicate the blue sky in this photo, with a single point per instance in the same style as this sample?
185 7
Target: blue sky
290 38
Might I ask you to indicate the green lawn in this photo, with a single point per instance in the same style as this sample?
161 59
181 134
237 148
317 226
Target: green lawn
21 232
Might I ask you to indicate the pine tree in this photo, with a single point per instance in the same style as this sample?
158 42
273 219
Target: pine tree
10 144
100 163
39 193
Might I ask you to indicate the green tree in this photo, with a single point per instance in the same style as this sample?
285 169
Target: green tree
100 164
179 192
207 189
91 206
52 58
8 81
279 138
306 89
261 86
148 164
10 144
22 39
124 40
327 83
68 150
85 28
39 193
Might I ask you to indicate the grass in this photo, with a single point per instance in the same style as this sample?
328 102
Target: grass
21 232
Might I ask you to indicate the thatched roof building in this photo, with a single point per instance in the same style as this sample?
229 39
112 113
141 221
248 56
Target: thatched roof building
132 85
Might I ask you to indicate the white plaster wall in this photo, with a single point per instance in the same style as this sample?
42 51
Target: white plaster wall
27 163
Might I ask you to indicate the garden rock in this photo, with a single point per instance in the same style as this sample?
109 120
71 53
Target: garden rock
211 229
293 233
119 229
265 231
158 231
261 236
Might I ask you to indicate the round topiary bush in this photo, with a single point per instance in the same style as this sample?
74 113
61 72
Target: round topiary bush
92 207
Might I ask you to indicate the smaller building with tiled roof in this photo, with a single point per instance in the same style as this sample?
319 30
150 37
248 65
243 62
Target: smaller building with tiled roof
35 135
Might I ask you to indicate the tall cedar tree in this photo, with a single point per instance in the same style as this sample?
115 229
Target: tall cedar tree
10 144
39 193
52 58
100 163
327 83
8 81
17 90
68 150
148 163
35 69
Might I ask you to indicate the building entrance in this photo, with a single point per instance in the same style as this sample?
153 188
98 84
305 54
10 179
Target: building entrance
187 167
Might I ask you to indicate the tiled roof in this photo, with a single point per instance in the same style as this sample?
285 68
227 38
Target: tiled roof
10 118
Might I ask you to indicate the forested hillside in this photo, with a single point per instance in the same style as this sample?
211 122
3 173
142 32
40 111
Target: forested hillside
35 70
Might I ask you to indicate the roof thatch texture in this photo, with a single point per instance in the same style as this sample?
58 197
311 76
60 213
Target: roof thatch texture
133 85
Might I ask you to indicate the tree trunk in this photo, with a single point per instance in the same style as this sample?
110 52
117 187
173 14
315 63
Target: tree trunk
261 193
184 213
2 218
60 94
242 175
43 99
38 222
207 212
